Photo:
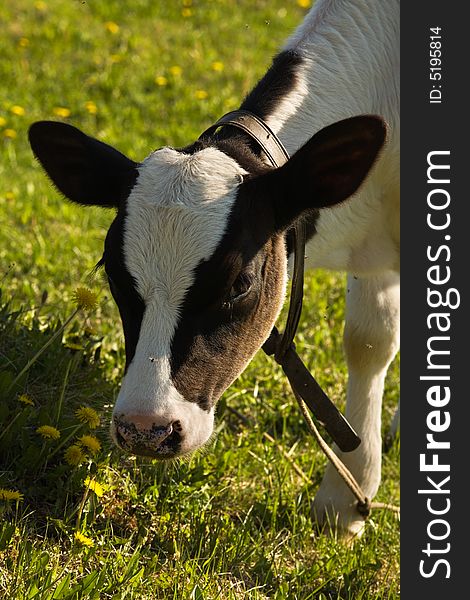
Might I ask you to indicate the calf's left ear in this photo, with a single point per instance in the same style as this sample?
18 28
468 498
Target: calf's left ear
329 168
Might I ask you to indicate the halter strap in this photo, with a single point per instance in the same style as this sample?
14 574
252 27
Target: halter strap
258 130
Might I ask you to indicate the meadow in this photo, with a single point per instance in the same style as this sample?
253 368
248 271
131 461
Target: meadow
79 519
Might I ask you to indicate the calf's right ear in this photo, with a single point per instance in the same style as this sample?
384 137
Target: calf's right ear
84 169
327 170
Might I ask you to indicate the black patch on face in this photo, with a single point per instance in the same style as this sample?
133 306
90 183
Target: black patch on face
210 343
123 285
206 332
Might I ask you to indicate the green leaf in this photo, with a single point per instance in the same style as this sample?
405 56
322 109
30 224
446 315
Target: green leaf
6 534
196 593
6 379
33 591
62 588
89 582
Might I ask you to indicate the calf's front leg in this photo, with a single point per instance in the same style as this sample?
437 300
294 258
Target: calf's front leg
371 340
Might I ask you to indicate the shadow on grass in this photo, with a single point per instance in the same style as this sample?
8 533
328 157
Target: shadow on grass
53 417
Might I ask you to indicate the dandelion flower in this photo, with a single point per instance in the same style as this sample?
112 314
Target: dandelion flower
186 12
48 432
85 299
176 70
161 80
91 107
61 111
9 495
3 121
90 442
87 415
40 5
17 110
23 42
74 455
111 27
94 486
83 539
10 133
304 3
201 94
217 65
25 399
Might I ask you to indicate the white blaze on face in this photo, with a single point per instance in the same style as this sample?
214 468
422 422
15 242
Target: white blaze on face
176 216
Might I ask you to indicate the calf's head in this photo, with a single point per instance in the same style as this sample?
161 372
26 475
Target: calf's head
196 260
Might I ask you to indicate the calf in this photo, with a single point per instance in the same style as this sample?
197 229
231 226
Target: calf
197 254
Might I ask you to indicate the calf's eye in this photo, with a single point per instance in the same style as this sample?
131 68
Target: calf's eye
241 287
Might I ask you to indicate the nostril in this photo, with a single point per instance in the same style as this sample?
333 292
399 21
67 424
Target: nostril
122 438
143 435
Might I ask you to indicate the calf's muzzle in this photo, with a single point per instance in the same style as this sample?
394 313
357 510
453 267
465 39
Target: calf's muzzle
147 435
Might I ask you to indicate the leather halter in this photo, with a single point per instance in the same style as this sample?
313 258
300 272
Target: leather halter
282 347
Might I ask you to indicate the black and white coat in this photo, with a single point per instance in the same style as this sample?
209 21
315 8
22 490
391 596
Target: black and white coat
196 256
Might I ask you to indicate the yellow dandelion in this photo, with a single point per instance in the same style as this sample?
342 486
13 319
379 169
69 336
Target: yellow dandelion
9 195
3 121
176 70
112 27
83 540
186 12
85 299
61 111
161 80
23 42
90 442
74 455
24 398
40 6
91 107
115 58
304 3
217 65
201 94
48 432
10 133
94 486
9 495
17 110
87 415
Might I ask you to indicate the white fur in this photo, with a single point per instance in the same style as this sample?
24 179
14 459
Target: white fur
351 49
176 216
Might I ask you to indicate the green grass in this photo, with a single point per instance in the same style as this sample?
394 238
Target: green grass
232 522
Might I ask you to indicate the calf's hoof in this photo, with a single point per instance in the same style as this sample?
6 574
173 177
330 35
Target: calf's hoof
343 522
